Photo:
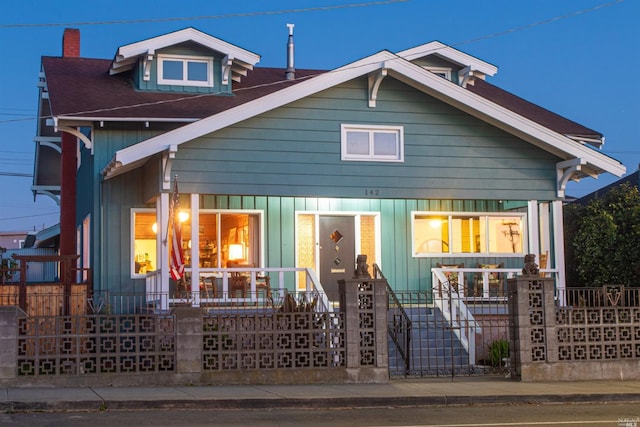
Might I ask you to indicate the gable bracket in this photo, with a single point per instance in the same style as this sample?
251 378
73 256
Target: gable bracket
227 62
375 80
88 142
167 161
565 171
146 65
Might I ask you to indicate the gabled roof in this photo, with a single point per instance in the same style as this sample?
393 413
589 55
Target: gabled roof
587 161
81 89
127 56
453 55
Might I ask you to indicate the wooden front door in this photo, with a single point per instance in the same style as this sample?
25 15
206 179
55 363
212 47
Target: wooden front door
337 252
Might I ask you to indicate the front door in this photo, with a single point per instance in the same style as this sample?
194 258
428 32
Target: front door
337 252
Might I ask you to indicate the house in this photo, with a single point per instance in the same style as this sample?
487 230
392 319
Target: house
412 158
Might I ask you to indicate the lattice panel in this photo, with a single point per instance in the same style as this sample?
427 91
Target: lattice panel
537 322
77 345
270 340
366 322
607 333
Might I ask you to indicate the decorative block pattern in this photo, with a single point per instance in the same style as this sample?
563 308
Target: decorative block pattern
97 344
598 333
272 339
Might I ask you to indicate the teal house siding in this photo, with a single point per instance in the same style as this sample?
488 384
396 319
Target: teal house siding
295 151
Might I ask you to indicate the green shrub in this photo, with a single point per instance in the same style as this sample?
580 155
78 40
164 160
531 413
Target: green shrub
498 350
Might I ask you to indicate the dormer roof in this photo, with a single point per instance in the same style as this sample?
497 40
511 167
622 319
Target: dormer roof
461 59
239 60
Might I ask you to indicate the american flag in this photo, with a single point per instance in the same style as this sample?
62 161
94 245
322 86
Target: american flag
176 256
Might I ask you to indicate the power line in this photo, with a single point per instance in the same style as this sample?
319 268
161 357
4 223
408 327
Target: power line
194 18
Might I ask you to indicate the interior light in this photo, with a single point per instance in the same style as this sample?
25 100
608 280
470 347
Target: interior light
154 228
183 216
235 252
435 223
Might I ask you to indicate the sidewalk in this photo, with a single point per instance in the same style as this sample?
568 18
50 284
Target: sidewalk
413 392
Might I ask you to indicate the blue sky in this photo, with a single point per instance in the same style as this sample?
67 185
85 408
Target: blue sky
577 58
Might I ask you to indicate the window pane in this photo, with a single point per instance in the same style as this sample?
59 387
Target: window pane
172 70
357 143
465 234
144 242
431 234
197 71
208 237
385 144
505 234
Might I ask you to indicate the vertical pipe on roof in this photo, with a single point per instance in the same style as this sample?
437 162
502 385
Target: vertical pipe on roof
290 74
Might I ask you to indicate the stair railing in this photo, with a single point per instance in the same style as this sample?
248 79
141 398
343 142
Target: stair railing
455 311
398 323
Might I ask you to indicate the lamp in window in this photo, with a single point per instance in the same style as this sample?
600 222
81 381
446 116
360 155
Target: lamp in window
236 252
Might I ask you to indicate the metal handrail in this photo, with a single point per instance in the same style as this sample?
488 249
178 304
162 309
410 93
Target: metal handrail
400 328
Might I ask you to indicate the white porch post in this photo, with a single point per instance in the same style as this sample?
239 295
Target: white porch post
534 227
195 249
163 249
558 245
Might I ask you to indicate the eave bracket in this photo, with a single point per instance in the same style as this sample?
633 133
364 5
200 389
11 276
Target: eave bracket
375 80
167 162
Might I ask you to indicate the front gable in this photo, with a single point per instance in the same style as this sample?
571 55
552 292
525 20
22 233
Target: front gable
574 160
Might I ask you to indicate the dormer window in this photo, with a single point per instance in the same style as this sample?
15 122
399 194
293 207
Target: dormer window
185 70
443 72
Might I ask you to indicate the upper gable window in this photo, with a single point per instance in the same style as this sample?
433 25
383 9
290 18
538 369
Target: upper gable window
443 72
372 143
185 70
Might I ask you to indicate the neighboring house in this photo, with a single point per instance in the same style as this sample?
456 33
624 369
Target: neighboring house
12 239
411 158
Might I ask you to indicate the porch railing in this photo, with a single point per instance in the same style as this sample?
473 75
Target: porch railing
455 311
198 295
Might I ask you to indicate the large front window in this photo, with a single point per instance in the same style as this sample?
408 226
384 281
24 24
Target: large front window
436 234
225 239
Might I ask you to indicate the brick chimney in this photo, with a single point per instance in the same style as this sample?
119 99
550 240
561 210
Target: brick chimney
71 43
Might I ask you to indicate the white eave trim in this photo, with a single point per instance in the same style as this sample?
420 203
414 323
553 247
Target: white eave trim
398 68
454 55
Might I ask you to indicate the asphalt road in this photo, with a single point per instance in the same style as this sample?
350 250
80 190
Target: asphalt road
591 415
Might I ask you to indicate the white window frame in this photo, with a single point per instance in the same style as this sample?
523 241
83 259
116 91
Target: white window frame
484 216
185 59
371 130
443 72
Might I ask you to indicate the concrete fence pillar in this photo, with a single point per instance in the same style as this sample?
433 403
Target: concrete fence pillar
9 341
364 302
188 340
533 321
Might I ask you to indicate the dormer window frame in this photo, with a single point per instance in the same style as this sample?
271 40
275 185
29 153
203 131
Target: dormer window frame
444 72
185 60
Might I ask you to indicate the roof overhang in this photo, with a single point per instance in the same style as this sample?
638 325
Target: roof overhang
594 163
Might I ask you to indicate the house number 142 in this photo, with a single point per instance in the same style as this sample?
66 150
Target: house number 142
371 192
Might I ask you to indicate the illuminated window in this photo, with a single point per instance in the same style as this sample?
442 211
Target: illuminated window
144 228
438 233
229 237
